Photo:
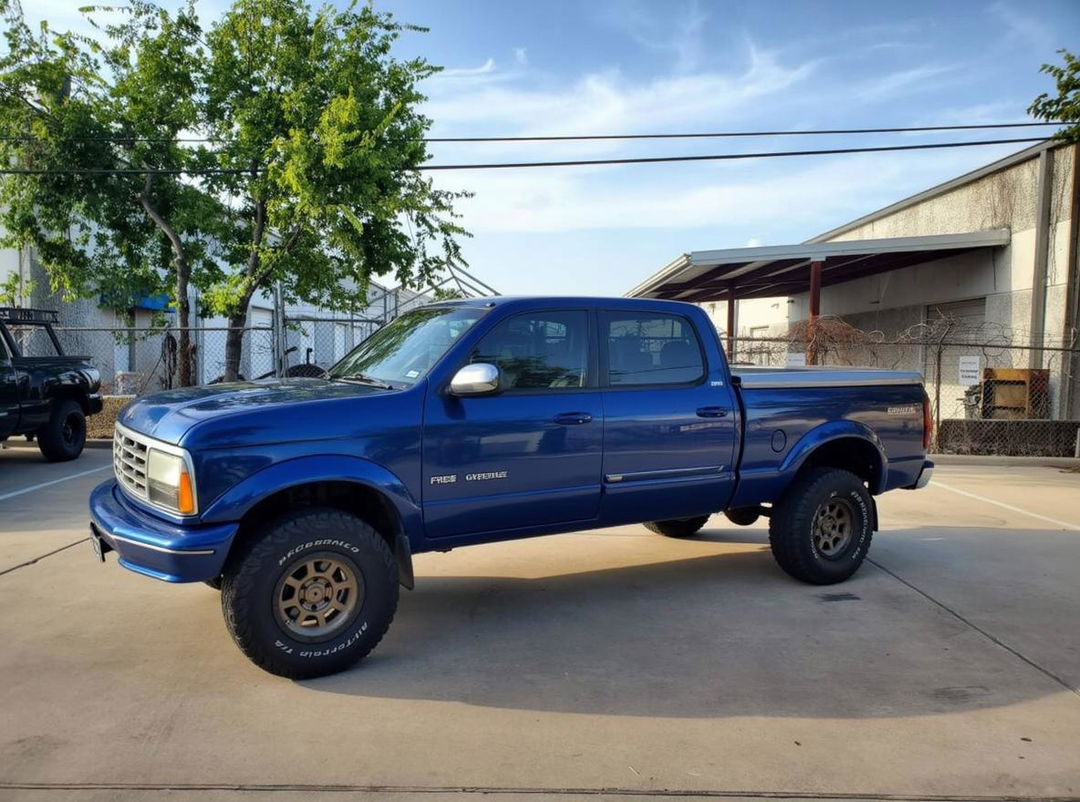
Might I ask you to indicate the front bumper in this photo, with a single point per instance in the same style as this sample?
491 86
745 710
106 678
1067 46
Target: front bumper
925 475
154 547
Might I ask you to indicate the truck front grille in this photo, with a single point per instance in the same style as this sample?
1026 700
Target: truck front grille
129 462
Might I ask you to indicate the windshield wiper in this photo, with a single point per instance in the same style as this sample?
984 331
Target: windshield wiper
368 380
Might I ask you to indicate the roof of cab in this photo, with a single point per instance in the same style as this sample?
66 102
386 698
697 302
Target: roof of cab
548 301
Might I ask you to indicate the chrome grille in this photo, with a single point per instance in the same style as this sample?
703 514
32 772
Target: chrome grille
129 462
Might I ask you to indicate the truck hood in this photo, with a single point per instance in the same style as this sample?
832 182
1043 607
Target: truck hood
169 415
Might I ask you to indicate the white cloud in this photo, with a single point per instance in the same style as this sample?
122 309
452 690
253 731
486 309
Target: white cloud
678 30
803 191
603 102
1028 30
521 56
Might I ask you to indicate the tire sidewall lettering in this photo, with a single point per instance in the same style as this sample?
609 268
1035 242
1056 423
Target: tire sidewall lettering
321 543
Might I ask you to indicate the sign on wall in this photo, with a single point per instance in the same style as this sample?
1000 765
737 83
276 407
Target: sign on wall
970 372
796 359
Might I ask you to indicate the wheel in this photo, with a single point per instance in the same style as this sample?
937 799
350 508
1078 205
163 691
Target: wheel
744 516
63 437
311 593
820 531
306 370
681 527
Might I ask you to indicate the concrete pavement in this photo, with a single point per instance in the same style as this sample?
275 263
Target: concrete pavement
566 665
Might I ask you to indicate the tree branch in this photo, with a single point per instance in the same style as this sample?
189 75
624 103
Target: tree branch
159 221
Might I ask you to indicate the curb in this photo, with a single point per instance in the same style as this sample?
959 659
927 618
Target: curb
1004 462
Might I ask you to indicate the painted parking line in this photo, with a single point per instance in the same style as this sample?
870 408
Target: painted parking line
32 488
1003 505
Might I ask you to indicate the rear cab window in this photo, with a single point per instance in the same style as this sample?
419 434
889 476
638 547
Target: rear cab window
650 348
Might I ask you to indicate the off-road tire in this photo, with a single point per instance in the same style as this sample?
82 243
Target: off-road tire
682 527
252 584
792 526
63 437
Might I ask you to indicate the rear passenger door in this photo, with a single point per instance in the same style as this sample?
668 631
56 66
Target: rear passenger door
9 391
669 420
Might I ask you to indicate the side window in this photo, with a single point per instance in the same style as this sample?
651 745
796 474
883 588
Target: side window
651 348
538 350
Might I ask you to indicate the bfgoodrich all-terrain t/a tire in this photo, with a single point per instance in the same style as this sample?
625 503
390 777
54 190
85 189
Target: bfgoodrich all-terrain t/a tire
311 593
820 530
683 527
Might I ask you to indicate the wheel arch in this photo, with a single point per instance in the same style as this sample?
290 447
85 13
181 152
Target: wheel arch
847 445
349 484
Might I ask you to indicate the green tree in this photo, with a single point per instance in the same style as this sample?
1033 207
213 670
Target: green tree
112 109
306 173
319 139
1065 105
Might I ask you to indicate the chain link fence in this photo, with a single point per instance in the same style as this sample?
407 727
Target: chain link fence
992 391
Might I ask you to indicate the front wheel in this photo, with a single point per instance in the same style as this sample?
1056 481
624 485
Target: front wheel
820 530
682 527
63 437
311 594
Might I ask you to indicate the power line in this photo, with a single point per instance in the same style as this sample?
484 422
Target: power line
726 156
592 137
723 134
566 163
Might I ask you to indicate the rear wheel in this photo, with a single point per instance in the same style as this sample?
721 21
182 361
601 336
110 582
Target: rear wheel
820 531
311 594
63 437
682 527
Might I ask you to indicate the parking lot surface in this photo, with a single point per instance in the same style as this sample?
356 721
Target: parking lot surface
602 664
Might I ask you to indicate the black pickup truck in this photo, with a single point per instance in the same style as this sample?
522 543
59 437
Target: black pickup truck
47 397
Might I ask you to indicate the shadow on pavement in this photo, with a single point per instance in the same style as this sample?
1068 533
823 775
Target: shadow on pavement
713 636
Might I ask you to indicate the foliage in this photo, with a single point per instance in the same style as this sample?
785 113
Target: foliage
305 172
1065 105
14 289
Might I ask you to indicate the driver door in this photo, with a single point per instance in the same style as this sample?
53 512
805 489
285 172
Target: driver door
529 456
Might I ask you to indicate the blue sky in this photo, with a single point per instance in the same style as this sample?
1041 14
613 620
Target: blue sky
577 67
566 67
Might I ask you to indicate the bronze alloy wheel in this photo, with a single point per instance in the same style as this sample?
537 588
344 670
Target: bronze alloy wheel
833 526
318 596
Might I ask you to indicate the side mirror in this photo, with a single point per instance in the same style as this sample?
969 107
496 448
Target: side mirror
480 378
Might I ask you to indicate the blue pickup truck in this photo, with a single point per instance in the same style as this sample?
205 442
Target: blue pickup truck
303 500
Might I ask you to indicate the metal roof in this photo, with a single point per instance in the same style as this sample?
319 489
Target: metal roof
774 270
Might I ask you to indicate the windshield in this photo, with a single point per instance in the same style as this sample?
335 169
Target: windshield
402 352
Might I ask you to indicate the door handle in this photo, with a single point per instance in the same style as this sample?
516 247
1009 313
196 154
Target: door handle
711 412
573 418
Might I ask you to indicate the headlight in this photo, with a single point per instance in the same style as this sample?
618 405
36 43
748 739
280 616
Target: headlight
168 482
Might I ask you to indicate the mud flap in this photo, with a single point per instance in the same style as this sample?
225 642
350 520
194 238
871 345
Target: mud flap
403 555
873 516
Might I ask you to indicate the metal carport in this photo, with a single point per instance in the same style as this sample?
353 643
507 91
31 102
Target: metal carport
777 270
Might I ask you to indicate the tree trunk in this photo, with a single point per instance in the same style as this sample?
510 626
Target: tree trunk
185 352
234 343
183 274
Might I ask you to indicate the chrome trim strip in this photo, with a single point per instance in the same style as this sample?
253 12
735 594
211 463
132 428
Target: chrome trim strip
613 478
162 549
